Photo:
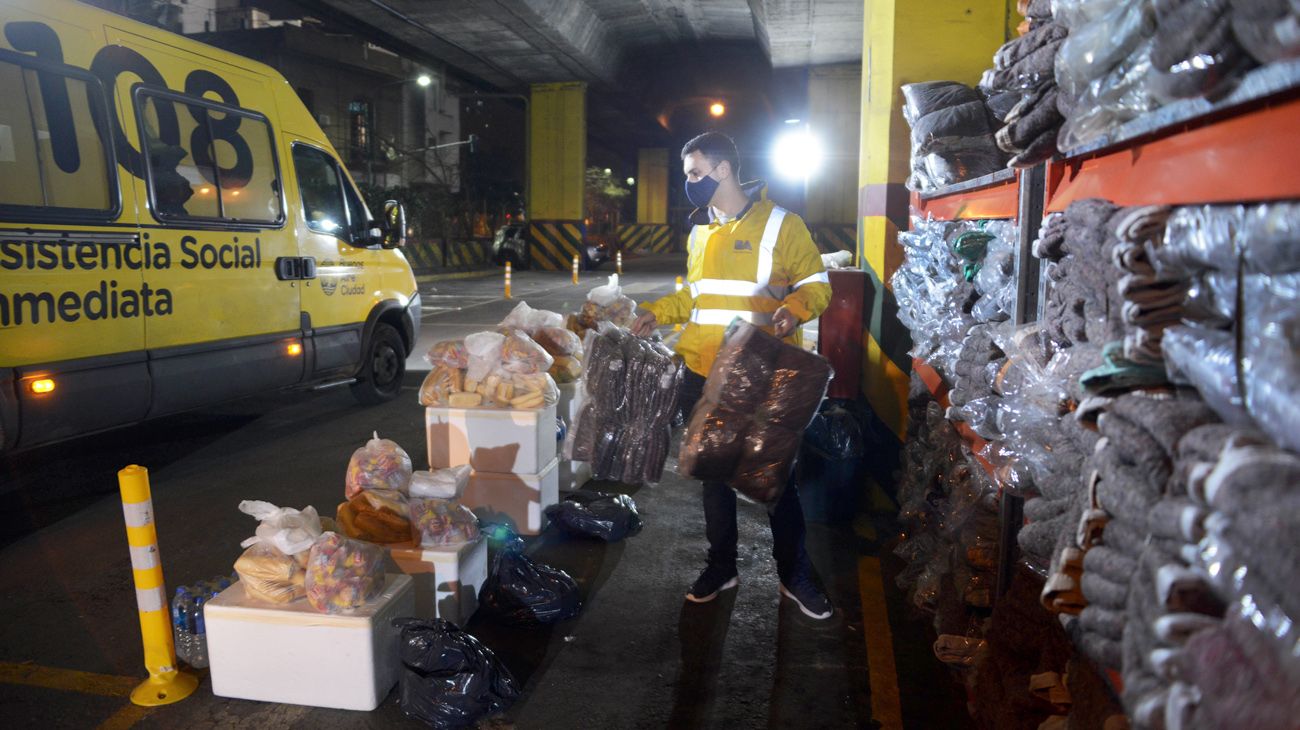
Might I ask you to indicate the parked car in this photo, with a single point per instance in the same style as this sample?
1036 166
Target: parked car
511 244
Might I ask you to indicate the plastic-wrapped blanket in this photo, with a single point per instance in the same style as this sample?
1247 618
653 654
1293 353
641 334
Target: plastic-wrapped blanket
760 396
629 394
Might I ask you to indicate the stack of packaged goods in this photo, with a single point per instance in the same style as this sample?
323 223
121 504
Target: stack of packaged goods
491 404
449 561
266 638
1148 420
628 394
952 134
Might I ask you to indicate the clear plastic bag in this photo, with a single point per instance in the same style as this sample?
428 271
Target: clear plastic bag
607 304
1195 53
380 516
289 530
437 519
380 464
1120 95
524 317
1097 46
925 97
520 355
343 574
484 350
1270 363
450 353
272 567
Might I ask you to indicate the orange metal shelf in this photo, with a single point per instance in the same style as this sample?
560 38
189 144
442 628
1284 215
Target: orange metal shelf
999 199
1245 157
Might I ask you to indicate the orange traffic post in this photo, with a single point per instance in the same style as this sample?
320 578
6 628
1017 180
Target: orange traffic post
618 258
575 269
507 280
166 683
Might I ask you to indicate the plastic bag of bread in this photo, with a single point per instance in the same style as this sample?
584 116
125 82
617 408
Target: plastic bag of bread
559 342
759 397
520 354
380 464
451 353
437 518
533 390
524 317
484 350
440 384
607 304
567 369
343 574
376 515
273 563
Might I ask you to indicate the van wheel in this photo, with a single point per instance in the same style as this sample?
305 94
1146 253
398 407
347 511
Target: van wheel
383 366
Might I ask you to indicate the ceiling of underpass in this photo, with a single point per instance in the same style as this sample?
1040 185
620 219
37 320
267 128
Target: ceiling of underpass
652 65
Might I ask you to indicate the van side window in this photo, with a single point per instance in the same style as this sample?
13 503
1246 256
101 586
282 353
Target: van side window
322 191
208 161
52 160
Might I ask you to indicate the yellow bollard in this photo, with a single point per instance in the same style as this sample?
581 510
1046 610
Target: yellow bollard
507 280
575 268
619 259
166 684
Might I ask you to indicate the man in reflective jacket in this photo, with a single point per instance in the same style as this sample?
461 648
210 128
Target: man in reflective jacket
752 260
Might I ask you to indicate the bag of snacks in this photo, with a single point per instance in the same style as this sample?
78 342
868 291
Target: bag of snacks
607 304
272 567
343 574
437 519
380 464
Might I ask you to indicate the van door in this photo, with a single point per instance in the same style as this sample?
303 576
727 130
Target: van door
211 179
333 230
72 294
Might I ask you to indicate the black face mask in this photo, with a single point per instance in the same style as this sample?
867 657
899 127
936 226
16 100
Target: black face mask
701 192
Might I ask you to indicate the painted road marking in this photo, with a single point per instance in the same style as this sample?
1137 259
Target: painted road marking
72 680
886 708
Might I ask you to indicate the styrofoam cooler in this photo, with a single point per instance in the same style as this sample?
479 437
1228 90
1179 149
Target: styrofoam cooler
291 653
517 500
574 474
494 440
447 580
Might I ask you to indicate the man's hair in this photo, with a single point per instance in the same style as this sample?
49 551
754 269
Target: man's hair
717 147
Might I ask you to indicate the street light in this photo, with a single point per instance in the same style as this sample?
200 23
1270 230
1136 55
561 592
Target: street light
718 109
797 155
631 181
424 79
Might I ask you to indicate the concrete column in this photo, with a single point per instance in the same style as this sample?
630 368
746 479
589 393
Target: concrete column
557 173
834 119
905 42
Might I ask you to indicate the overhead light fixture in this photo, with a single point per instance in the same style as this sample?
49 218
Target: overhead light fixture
797 155
631 181
424 79
717 109
608 171
793 121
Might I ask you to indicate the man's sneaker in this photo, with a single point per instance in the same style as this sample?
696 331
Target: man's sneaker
711 582
808 597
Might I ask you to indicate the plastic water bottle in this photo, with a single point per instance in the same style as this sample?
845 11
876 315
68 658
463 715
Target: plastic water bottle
181 611
200 657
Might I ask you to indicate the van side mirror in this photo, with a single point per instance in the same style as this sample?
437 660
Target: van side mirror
394 225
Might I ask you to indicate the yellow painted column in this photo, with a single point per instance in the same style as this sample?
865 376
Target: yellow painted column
557 168
652 185
905 42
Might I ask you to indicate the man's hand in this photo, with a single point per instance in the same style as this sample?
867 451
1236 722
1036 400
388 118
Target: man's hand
645 324
784 322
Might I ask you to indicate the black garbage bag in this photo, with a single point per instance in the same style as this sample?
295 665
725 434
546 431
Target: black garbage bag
449 679
832 461
523 592
610 517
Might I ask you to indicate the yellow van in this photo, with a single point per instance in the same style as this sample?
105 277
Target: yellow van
175 230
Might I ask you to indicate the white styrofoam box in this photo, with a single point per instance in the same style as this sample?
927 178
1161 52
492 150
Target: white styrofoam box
491 439
447 580
570 401
574 474
517 500
291 653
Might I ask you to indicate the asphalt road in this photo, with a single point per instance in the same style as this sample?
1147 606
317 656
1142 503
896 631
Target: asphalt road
638 656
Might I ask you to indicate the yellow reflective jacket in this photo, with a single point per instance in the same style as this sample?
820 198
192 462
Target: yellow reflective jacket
748 268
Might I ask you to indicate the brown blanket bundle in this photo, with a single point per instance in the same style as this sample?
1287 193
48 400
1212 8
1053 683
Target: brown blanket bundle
760 396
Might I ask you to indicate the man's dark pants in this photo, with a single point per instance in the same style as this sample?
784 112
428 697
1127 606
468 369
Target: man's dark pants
785 516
